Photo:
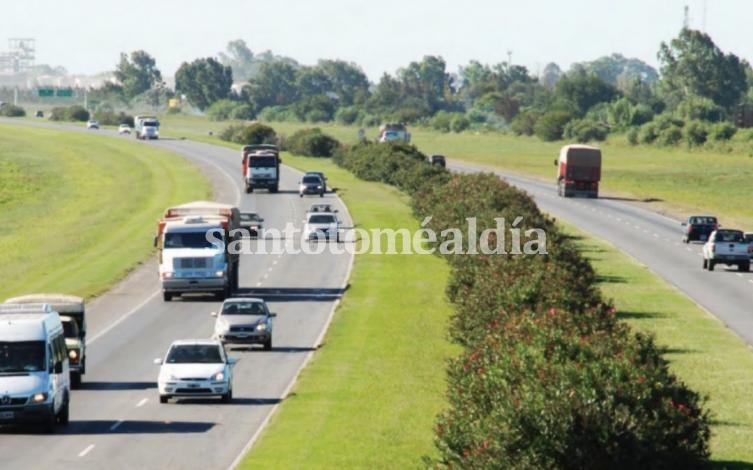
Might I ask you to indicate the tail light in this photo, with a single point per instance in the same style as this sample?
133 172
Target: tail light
750 248
690 227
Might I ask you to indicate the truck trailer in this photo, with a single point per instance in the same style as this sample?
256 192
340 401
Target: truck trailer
578 171
194 243
260 167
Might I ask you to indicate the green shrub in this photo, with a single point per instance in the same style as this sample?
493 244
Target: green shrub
442 121
641 114
278 114
11 110
232 133
253 134
348 115
173 110
632 136
221 110
722 131
551 125
108 117
524 123
370 120
696 133
649 133
460 123
311 143
668 136
242 112
586 130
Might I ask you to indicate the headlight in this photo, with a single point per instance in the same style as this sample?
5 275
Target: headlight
39 397
167 274
218 376
219 273
261 326
221 326
73 354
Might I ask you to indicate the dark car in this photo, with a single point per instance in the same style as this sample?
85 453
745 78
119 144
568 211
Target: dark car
320 175
252 222
699 227
39 113
438 160
311 184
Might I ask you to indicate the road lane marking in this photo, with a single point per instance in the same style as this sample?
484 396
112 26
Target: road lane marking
86 451
258 284
122 318
115 426
269 269
265 276
274 262
142 402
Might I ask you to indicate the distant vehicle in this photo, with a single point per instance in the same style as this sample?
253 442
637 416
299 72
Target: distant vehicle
260 167
321 225
728 247
244 321
252 222
578 171
195 368
91 124
438 160
73 317
34 375
320 175
393 132
311 184
39 113
698 227
146 127
124 129
321 207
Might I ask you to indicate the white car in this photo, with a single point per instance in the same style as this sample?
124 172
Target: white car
195 368
321 225
124 129
92 124
244 320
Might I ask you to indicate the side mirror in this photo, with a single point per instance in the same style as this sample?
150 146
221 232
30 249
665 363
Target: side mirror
158 361
232 361
213 314
272 314
59 367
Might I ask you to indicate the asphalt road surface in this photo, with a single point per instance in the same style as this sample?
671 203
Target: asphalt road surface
116 418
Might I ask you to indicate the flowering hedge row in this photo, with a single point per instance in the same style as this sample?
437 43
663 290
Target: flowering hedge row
549 377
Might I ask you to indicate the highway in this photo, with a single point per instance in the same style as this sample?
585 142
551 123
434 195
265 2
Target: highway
655 241
116 418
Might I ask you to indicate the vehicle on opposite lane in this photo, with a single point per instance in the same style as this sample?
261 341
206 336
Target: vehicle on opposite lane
244 321
252 222
321 176
195 368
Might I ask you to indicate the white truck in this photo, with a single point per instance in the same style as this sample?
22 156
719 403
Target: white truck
194 249
146 127
394 132
73 317
727 246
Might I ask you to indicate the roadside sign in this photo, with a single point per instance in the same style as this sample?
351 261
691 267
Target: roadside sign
64 92
46 92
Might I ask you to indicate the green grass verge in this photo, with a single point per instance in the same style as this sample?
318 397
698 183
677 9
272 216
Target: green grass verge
702 351
370 396
676 180
79 210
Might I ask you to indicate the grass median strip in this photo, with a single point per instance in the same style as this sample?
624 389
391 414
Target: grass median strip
370 396
703 353
79 210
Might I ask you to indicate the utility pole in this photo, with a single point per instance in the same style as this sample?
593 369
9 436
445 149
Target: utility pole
686 19
509 58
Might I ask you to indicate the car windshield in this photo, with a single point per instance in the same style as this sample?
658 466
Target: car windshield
263 162
244 308
194 354
703 220
729 236
322 219
21 356
192 239
312 179
749 237
70 329
249 217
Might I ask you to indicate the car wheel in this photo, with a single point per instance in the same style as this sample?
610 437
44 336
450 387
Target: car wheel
228 397
163 399
75 379
745 267
64 415
167 296
300 194
705 263
268 344
248 189
685 239
321 194
49 425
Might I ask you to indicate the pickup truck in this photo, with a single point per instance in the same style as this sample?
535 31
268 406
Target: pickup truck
727 246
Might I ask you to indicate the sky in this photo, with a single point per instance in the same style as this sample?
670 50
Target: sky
87 37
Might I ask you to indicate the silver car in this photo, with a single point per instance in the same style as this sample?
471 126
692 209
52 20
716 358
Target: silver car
244 321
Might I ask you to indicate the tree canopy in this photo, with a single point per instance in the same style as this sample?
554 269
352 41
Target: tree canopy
204 81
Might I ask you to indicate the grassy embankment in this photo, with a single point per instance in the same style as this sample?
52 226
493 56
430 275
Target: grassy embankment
78 211
370 396
677 181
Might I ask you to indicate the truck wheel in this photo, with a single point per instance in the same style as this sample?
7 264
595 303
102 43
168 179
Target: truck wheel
745 267
705 263
301 195
711 265
273 189
167 296
75 379
64 415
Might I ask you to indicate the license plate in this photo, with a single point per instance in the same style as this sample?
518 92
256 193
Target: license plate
242 335
6 415
703 238
193 385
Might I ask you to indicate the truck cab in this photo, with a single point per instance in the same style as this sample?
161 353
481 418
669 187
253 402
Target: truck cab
260 167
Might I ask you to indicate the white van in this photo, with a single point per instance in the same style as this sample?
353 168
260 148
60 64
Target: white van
34 375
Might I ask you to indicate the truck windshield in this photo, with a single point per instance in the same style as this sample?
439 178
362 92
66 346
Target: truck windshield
193 239
21 356
263 162
70 329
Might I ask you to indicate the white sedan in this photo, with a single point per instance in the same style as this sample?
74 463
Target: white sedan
321 225
124 129
195 368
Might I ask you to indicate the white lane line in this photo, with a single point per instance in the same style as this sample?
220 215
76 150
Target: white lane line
142 402
275 262
122 318
265 276
86 451
739 275
115 426
269 270
656 235
258 284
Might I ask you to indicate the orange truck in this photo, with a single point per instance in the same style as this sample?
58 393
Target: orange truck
195 249
578 171
260 167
